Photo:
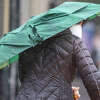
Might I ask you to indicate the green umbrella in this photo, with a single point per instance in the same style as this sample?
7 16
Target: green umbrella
42 27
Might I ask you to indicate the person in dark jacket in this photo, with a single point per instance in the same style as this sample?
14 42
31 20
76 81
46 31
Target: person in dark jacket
48 69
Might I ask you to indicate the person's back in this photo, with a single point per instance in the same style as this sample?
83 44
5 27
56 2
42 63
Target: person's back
49 69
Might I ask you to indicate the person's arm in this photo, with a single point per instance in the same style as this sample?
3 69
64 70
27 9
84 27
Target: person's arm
88 71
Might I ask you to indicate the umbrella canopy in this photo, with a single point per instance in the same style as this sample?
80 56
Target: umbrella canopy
42 27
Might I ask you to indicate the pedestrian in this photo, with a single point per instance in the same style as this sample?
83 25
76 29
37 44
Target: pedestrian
51 50
52 67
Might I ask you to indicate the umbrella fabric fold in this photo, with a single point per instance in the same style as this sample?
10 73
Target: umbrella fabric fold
39 28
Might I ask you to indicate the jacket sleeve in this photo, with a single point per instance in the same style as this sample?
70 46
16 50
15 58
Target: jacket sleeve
88 71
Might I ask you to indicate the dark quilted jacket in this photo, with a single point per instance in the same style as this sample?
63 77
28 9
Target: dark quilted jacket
48 70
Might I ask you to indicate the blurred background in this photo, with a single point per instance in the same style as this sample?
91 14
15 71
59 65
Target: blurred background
14 13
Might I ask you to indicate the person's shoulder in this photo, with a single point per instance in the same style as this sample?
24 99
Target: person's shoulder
75 39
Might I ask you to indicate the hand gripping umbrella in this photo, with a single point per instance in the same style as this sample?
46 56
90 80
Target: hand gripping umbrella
39 28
